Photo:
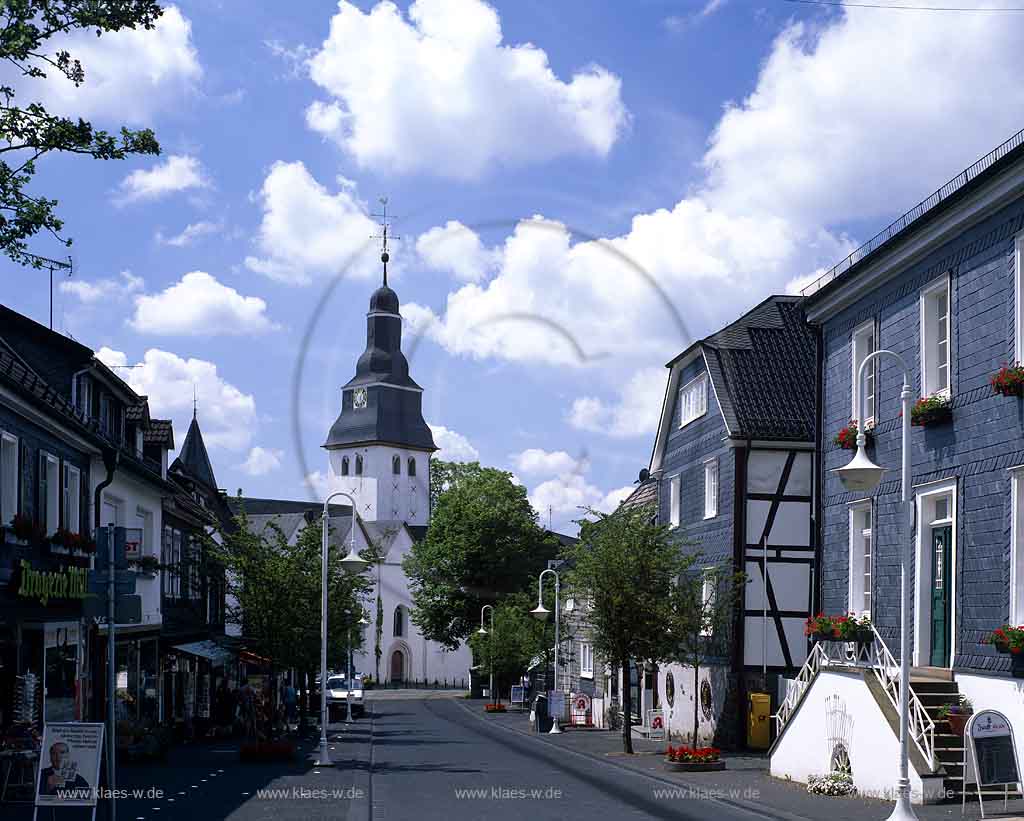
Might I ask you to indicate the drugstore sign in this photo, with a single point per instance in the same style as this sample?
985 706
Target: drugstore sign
43 585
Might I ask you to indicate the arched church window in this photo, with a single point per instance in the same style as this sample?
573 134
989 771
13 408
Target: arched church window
399 621
396 465
412 466
344 466
359 465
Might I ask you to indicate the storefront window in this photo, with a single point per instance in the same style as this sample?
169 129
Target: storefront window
61 678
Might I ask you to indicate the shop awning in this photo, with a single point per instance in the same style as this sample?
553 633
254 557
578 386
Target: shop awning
208 650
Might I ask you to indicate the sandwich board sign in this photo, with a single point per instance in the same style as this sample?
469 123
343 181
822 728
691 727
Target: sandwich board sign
656 723
517 695
990 755
74 750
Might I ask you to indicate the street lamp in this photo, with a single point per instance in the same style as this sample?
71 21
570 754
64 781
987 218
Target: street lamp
864 475
352 563
351 664
541 612
483 632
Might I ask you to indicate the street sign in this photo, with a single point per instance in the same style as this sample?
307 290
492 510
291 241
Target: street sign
656 723
990 754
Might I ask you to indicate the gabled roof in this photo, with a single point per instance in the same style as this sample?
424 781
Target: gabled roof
193 459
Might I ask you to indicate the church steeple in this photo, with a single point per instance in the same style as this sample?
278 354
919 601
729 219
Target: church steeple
193 460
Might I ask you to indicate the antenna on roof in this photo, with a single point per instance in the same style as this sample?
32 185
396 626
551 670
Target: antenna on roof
52 265
195 401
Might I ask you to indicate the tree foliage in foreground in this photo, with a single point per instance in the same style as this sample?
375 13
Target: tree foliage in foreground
514 640
482 545
28 30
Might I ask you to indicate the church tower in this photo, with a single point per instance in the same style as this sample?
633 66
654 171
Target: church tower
379 448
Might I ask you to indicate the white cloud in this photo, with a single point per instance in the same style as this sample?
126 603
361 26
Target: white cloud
450 98
453 447
103 289
179 172
568 495
226 414
539 462
130 75
681 22
308 230
200 305
635 411
190 233
456 250
262 461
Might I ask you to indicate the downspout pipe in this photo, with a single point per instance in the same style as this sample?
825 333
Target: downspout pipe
111 459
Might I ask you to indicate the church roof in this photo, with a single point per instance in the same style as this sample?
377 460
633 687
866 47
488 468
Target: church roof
193 459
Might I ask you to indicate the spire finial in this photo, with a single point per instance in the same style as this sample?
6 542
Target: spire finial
195 401
385 226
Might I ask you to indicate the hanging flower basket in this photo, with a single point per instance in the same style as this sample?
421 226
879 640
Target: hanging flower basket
847 437
1009 380
930 411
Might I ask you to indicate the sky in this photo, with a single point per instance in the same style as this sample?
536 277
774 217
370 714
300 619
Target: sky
577 190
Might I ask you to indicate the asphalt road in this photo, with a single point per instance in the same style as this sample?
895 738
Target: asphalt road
417 759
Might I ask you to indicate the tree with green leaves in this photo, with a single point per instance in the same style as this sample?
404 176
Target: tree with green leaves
623 571
483 544
703 605
30 35
512 641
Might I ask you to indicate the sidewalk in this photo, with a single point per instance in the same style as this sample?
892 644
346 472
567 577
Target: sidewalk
745 782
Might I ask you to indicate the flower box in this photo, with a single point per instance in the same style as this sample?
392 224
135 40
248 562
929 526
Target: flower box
1009 380
693 759
1006 639
494 708
694 766
929 411
847 437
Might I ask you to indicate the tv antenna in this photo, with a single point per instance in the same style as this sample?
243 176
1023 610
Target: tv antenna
52 265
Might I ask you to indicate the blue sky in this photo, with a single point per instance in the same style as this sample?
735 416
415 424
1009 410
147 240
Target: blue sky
536 155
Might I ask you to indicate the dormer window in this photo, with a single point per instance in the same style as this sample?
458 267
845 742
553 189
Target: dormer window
344 466
396 465
693 399
359 465
412 466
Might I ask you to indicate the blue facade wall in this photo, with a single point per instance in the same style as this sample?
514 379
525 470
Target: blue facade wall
985 437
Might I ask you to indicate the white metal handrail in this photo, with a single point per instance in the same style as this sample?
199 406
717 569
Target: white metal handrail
886 669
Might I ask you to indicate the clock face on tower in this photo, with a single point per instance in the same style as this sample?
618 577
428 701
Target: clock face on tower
359 398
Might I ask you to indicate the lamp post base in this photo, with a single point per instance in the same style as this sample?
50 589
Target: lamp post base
904 810
323 758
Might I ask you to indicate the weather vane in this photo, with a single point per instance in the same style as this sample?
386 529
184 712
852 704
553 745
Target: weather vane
383 236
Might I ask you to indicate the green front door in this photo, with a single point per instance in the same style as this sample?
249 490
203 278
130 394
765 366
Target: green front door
942 573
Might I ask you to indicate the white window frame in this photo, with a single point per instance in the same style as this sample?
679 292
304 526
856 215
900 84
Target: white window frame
857 356
586 660
858 577
71 486
711 488
930 383
1018 297
1017 545
675 501
707 594
693 399
924 499
9 476
51 464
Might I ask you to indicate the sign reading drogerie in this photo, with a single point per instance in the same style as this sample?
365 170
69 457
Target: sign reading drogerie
70 771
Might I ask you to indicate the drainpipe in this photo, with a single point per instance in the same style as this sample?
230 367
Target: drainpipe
111 457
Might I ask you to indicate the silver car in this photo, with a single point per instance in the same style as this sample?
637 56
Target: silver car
338 693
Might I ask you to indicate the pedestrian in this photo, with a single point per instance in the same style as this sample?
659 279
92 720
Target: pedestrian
290 698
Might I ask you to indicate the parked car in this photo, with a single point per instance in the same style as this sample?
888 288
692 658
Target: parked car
338 694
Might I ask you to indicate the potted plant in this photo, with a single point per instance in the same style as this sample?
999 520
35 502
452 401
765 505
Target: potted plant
931 410
1009 379
820 628
855 630
693 759
956 714
847 437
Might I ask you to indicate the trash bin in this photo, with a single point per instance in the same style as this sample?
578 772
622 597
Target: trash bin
541 719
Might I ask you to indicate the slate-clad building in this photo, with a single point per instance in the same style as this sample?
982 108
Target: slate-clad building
734 463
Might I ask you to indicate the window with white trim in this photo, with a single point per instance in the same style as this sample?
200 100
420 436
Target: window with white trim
49 492
864 344
586 660
711 488
861 549
935 338
71 519
1018 311
1017 548
693 399
708 595
8 477
675 500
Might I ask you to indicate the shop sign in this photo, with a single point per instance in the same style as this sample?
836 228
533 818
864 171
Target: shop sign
66 583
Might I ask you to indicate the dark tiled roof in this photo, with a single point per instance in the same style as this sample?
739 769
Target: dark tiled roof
645 494
763 369
270 507
139 412
193 458
15 372
159 432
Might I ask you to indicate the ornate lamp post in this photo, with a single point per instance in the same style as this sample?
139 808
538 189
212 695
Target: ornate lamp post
541 612
864 475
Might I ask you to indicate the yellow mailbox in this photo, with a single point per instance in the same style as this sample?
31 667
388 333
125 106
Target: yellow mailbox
759 727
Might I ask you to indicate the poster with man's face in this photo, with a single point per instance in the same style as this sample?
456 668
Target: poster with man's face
69 771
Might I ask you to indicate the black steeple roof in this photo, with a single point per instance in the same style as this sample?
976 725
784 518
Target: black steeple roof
393 411
193 460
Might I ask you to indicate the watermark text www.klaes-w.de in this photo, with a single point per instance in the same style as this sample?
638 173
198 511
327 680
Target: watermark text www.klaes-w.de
498 793
105 793
697 794
308 794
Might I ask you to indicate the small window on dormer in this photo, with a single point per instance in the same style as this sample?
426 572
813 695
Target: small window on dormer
412 466
396 465
693 399
344 466
359 465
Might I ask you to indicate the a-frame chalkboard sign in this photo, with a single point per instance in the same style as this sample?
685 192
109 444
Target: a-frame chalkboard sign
990 755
